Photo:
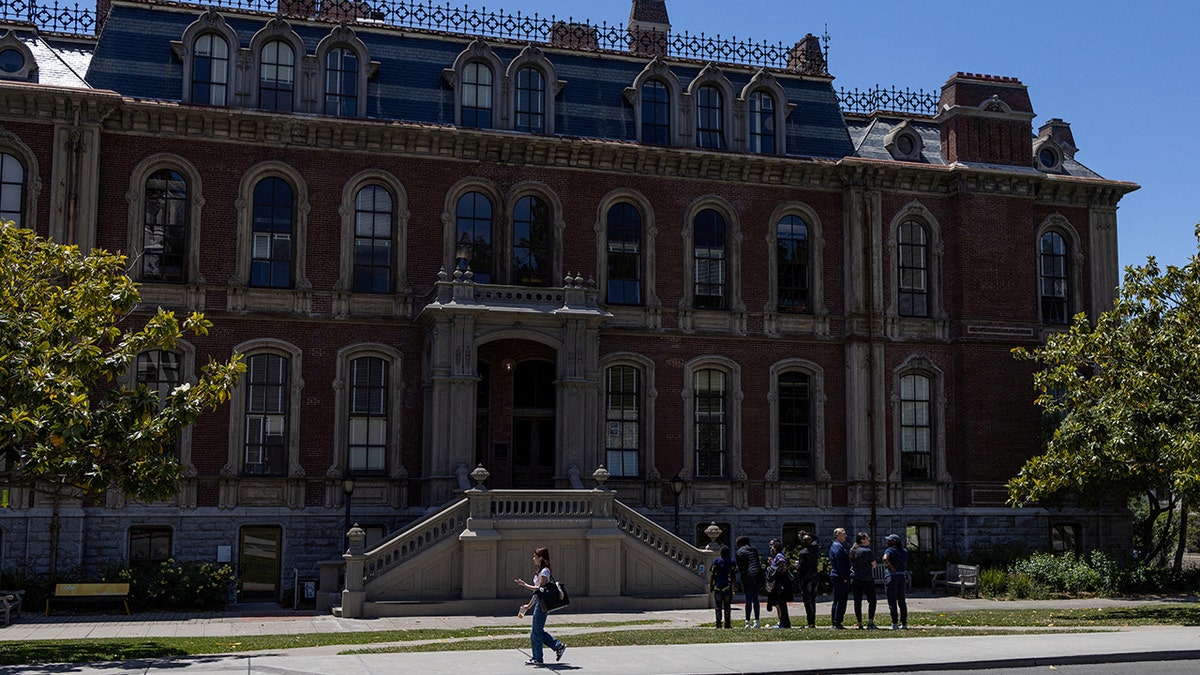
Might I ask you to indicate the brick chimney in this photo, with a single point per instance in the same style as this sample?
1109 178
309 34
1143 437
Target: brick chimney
298 8
1059 132
807 57
986 119
648 27
103 7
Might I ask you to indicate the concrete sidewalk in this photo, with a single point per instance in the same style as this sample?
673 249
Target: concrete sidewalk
894 654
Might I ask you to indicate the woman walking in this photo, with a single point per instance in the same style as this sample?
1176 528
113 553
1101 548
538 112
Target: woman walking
862 578
896 560
538 637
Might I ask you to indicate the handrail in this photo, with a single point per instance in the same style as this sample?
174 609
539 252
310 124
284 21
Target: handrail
659 538
438 527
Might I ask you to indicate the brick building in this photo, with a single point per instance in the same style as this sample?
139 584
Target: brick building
444 239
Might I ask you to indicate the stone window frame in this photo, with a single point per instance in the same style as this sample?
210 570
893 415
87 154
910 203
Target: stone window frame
136 198
658 70
817 399
28 72
922 527
645 365
400 217
187 373
242 296
11 144
712 76
210 21
531 57
276 29
235 457
479 51
450 220
917 211
343 36
150 528
734 396
904 130
816 257
1051 146
1059 224
558 226
764 81
918 364
394 468
649 237
733 257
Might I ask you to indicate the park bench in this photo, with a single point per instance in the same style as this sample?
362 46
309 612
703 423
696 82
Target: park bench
10 604
958 576
879 574
90 593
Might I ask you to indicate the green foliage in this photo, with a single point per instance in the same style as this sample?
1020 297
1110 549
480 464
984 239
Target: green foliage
68 423
1021 586
177 585
1064 572
993 582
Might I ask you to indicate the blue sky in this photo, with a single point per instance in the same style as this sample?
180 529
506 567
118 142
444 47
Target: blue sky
1125 75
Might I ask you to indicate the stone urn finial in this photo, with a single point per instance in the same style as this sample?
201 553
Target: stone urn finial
601 474
713 531
479 475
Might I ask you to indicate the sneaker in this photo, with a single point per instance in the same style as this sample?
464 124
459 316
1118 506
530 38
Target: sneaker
895 626
747 625
838 626
872 626
860 626
559 651
533 662
903 626
756 625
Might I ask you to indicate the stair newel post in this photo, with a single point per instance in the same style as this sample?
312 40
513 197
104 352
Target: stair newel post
479 541
353 596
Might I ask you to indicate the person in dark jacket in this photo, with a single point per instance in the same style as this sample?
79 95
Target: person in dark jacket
808 566
896 560
720 583
751 572
839 577
862 579
779 584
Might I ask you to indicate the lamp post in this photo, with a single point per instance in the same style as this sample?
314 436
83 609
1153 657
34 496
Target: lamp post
348 490
677 489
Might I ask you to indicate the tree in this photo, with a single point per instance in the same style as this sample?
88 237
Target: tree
1126 392
69 423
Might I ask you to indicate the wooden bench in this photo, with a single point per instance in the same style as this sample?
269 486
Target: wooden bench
879 573
10 604
90 593
958 576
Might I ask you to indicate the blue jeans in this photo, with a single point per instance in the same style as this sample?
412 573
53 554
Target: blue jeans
897 603
841 596
538 635
751 601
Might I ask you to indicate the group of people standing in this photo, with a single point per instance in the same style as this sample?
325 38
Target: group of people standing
850 570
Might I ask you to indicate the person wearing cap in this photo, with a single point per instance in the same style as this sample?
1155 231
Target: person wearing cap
839 577
895 560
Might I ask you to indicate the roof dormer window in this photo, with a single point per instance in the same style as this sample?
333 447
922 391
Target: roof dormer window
16 61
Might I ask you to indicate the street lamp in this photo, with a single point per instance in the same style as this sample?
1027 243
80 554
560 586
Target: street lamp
677 489
348 489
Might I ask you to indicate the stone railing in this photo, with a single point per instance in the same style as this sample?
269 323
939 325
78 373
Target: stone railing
445 524
658 538
460 288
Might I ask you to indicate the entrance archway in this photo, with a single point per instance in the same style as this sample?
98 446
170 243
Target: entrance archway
517 417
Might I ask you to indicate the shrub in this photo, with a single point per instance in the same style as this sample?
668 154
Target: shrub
1021 586
993 582
178 585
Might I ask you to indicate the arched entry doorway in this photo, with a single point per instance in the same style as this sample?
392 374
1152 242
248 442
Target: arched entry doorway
516 420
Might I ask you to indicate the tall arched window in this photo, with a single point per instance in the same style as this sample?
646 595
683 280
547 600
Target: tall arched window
271 253
623 396
710 121
373 223
1054 285
473 241
624 229
762 123
656 113
210 69
530 101
12 189
276 76
266 415
341 82
532 264
710 422
165 227
368 416
477 95
916 427
795 426
913 241
791 256
709 260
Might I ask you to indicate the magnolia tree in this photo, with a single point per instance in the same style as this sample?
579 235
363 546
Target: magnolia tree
1126 395
70 422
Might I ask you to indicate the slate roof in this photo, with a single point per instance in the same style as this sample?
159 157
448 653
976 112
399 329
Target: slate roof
61 62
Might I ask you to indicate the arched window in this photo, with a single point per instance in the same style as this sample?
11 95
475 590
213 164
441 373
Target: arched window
709 260
210 69
623 396
368 416
12 189
913 249
266 415
916 427
161 372
1055 289
710 422
794 429
710 122
165 227
477 95
624 228
791 255
373 223
532 264
276 76
656 113
474 236
341 82
762 123
530 101
271 252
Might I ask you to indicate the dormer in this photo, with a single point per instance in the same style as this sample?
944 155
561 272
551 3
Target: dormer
16 60
985 119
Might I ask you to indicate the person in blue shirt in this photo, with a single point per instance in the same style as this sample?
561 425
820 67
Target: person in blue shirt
720 582
839 577
862 578
895 559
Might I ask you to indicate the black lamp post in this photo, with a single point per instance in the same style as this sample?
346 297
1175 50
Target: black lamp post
348 489
677 489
